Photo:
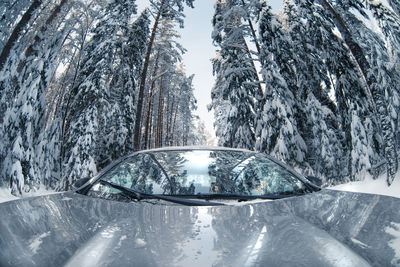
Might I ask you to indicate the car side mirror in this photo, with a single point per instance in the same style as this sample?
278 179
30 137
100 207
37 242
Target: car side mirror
79 183
315 180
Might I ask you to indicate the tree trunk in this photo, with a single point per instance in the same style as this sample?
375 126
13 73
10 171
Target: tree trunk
146 129
148 114
174 123
17 31
71 96
151 126
184 137
169 128
254 35
160 116
259 89
253 32
43 28
139 107
167 119
376 97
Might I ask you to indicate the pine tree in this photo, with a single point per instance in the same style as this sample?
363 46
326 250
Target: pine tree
235 76
10 11
96 108
396 6
27 69
186 110
18 29
387 65
24 119
116 137
373 91
168 9
277 129
315 59
390 27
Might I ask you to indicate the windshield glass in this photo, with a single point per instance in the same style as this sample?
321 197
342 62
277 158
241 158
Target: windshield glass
201 172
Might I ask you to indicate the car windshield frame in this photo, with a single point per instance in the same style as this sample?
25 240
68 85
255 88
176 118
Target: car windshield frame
309 187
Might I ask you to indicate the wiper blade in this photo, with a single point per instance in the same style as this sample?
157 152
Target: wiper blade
243 197
139 195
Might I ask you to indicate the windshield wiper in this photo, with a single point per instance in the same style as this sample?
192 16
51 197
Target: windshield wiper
139 196
242 197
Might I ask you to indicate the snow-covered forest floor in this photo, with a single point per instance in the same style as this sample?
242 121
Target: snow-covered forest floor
5 194
369 185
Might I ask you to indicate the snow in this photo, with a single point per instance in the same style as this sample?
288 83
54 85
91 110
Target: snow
5 194
358 242
370 23
371 186
37 241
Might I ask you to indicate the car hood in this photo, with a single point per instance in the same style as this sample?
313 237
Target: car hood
327 228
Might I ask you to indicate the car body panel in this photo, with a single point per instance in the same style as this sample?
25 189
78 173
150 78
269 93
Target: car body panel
325 228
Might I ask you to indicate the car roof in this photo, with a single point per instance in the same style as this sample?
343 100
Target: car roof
189 148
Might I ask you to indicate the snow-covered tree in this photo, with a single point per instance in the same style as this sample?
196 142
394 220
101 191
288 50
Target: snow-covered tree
277 130
315 57
98 122
24 81
236 78
169 9
203 136
396 6
68 87
9 12
373 90
168 118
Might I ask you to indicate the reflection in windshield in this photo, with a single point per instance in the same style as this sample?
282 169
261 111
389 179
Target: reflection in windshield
173 165
195 172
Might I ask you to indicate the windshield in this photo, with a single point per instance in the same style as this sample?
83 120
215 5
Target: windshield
201 172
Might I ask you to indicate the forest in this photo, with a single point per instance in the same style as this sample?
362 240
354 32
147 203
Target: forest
85 82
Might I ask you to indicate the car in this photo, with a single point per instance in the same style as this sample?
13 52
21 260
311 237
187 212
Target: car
187 206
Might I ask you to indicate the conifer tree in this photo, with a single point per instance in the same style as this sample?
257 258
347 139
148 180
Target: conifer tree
277 129
172 9
97 128
24 117
316 59
17 31
373 91
235 75
396 6
27 68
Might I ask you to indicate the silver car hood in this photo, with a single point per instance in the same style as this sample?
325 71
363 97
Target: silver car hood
327 228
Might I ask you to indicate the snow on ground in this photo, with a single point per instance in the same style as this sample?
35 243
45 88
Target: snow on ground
369 185
5 194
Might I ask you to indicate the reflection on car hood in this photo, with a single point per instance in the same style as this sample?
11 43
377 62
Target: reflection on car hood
328 228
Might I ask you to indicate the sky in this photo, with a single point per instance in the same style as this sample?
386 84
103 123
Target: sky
196 38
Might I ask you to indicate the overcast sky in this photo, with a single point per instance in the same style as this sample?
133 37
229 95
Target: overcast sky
196 38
